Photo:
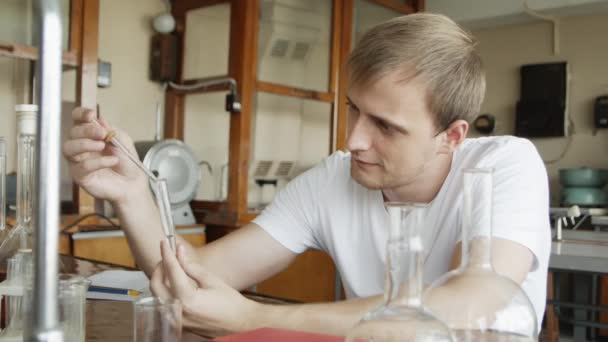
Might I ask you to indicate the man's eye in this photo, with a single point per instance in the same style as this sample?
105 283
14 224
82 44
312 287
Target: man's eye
383 126
352 107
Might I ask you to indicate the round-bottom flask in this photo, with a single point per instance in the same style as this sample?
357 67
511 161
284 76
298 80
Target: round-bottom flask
477 303
402 317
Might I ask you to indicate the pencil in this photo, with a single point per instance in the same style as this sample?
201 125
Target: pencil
114 290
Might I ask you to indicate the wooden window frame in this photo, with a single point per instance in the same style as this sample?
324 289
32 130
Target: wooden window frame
82 55
244 23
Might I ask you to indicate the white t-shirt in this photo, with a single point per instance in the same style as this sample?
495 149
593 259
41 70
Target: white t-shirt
324 208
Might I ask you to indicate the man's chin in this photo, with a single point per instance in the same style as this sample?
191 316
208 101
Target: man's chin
365 180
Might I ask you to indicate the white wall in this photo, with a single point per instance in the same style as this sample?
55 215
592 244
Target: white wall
285 128
124 40
583 45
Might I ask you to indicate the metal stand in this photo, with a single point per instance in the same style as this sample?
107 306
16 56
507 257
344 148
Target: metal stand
45 323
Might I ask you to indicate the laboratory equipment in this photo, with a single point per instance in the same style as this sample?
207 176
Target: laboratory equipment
157 320
19 276
175 161
159 187
2 188
45 326
477 303
72 306
402 316
21 236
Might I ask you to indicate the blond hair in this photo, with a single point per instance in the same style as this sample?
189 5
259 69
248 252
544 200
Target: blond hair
427 46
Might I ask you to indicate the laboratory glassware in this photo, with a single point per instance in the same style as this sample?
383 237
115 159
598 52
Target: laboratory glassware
19 277
159 186
3 231
402 316
157 320
476 302
72 306
21 236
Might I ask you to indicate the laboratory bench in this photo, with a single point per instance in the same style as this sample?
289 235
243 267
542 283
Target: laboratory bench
583 256
113 320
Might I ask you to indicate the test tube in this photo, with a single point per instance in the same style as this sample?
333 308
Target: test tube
160 189
164 206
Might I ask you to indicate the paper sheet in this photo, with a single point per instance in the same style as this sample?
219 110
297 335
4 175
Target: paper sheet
132 280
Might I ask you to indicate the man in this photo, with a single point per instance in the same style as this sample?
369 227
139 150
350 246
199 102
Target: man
414 82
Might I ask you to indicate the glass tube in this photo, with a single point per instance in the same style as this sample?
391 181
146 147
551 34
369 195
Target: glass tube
164 207
477 303
26 150
402 316
2 187
21 236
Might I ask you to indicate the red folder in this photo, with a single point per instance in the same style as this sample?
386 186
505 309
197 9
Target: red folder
278 335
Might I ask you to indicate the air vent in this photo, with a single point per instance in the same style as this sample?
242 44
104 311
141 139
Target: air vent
262 168
279 48
284 169
300 51
272 169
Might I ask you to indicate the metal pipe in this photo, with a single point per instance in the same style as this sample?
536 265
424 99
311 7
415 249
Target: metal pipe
45 323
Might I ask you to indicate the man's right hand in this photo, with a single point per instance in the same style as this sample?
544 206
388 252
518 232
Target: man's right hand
100 168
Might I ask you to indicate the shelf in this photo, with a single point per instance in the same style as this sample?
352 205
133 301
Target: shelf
31 53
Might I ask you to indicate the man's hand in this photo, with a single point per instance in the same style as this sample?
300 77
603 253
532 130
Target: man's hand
99 167
210 306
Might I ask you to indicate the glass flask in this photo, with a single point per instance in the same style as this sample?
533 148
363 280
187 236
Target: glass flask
402 317
20 237
477 303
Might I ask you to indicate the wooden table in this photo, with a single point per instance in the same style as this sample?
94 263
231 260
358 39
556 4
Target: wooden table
112 321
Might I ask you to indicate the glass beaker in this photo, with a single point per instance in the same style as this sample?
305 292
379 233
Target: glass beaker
19 277
402 316
72 306
20 237
477 303
157 320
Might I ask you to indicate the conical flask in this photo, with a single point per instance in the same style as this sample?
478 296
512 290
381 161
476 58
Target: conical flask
402 317
20 236
477 303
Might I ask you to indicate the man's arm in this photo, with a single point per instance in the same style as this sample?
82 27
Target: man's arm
509 259
206 300
241 259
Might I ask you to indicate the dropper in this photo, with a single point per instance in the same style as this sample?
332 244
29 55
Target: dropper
160 187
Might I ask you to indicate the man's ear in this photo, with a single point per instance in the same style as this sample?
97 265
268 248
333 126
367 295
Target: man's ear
453 136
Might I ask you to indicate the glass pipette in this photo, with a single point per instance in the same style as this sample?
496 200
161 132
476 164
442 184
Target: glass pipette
161 191
111 138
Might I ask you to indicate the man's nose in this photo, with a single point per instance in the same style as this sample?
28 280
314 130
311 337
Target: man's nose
359 138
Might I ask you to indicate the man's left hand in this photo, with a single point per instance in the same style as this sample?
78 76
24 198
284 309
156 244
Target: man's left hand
210 306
